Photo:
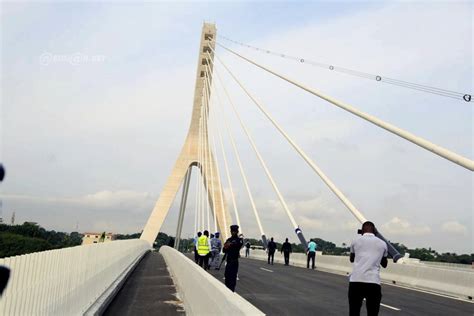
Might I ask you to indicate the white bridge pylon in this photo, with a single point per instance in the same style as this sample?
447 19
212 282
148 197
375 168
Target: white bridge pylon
190 157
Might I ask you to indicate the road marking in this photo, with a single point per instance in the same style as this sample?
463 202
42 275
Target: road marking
428 292
388 306
391 307
266 269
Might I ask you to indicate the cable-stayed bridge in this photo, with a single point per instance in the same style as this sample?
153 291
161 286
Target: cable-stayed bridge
123 277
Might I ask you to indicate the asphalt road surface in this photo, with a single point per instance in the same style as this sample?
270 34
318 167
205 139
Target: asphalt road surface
287 290
149 290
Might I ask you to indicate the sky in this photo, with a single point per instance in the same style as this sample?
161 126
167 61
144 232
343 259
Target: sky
96 100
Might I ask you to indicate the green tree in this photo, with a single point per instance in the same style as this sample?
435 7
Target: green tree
30 237
128 236
14 245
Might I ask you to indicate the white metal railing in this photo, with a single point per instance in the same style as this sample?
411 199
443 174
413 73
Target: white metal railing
66 281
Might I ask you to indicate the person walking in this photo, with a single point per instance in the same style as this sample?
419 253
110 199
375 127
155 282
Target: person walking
311 252
232 253
211 254
368 253
216 247
286 250
204 248
196 255
271 247
247 249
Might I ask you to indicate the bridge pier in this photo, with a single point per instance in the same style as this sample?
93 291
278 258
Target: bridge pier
196 141
182 208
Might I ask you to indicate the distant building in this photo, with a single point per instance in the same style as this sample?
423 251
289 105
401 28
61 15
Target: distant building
95 238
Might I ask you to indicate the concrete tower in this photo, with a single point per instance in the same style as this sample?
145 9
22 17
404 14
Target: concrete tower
189 158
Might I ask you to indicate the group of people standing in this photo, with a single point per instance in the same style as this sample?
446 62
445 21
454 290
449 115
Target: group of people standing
206 248
286 250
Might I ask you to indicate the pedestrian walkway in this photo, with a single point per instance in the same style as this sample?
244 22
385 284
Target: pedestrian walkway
149 290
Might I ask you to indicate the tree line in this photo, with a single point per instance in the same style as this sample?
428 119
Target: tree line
30 237
428 254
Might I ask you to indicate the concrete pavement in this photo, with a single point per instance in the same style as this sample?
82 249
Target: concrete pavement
149 290
287 290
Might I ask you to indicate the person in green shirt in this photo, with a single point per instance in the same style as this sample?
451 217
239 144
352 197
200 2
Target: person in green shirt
311 252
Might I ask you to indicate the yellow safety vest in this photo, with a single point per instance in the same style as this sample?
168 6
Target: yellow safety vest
203 245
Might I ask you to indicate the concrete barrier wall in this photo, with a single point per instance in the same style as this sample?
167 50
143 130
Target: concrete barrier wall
201 293
454 282
66 281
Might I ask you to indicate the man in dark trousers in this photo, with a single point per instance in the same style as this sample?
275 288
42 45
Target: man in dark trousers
247 249
204 250
368 253
311 253
286 250
232 253
271 247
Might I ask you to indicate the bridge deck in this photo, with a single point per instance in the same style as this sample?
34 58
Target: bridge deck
149 290
281 290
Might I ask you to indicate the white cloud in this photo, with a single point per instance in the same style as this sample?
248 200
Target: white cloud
312 223
313 206
117 211
454 227
101 199
398 226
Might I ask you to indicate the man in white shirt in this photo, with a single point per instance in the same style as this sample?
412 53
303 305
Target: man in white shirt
368 253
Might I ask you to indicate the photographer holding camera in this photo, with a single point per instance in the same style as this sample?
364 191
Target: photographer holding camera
368 253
